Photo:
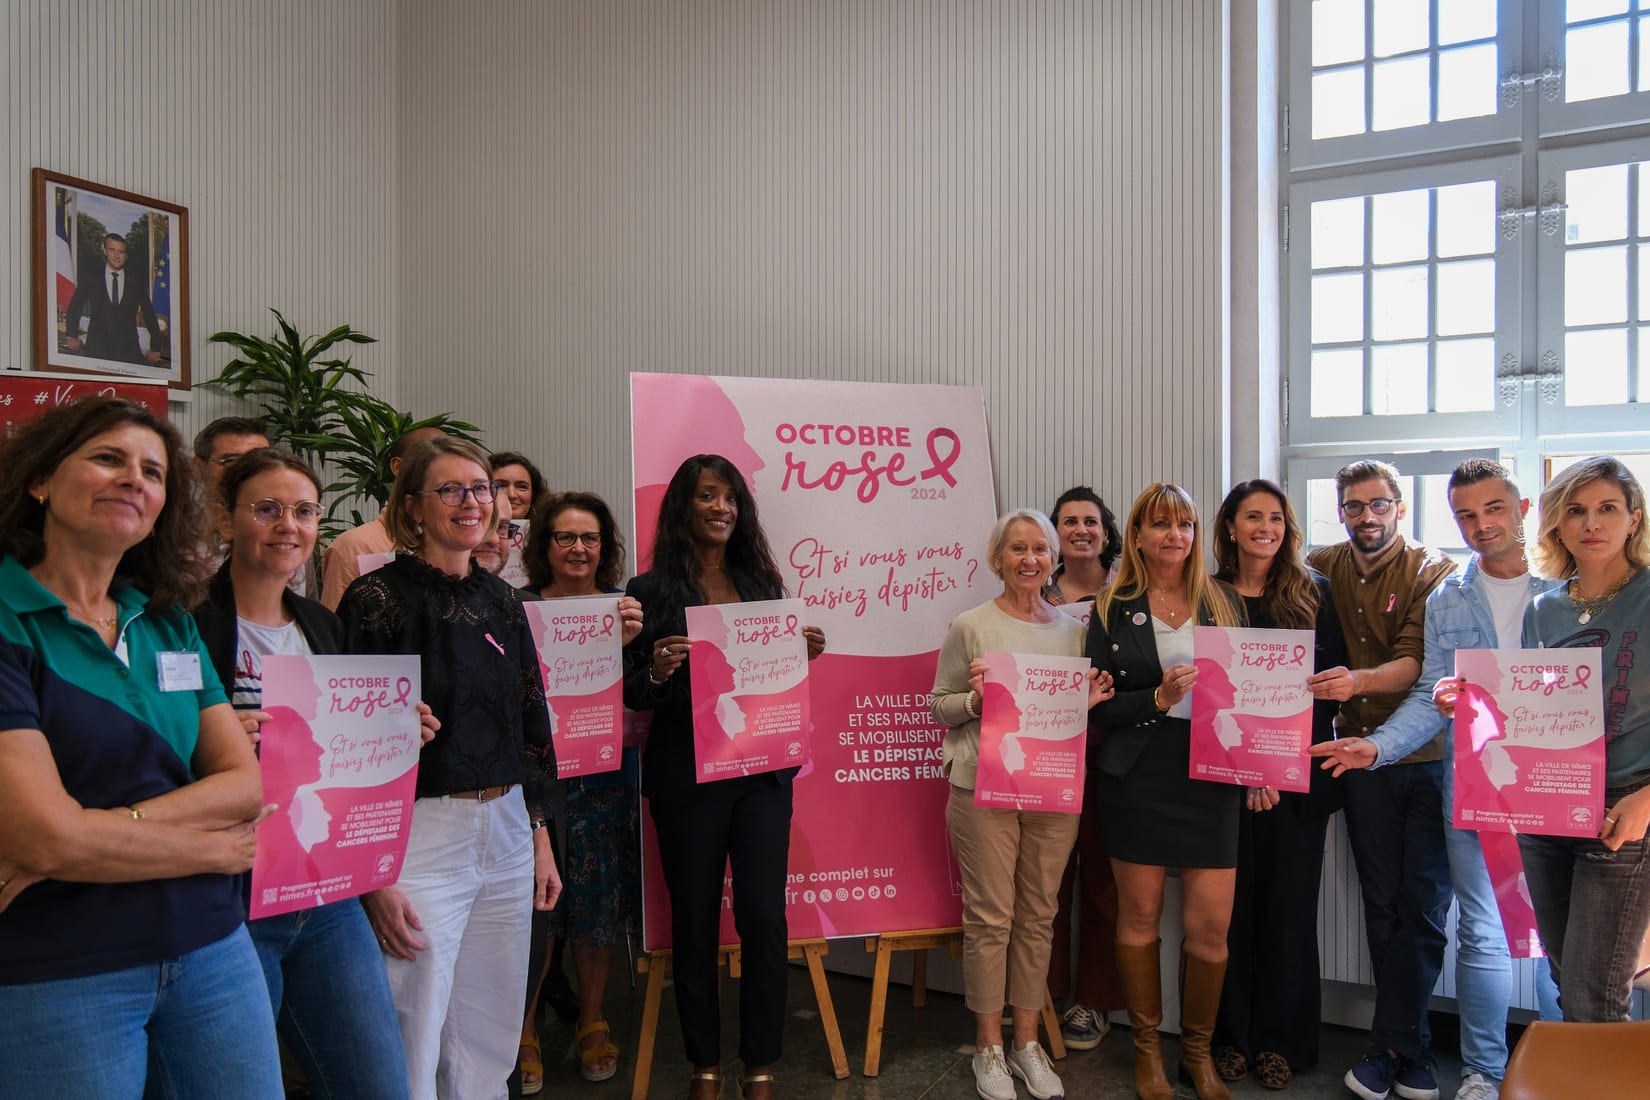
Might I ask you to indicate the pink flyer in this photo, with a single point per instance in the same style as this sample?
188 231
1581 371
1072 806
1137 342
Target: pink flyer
1529 741
1034 724
339 758
1251 710
579 643
750 687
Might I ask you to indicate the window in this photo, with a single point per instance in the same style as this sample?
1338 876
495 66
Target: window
1467 236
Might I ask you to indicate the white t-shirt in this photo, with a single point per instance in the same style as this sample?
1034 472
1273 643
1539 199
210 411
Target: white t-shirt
254 642
1176 645
1508 599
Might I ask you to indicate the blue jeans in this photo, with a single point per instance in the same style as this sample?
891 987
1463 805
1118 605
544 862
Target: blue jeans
1395 824
1592 907
186 1027
332 1001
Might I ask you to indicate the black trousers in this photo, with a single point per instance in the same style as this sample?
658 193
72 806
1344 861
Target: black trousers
744 824
1270 1001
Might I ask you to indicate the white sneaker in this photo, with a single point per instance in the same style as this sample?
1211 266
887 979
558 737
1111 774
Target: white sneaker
1032 1066
1475 1086
991 1077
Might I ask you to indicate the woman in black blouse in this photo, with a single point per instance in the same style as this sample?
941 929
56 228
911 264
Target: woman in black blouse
710 549
1269 1007
456 927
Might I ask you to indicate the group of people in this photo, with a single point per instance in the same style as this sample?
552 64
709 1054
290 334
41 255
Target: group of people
140 592
1387 615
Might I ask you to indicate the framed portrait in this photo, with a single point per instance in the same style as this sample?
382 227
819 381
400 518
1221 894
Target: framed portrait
111 281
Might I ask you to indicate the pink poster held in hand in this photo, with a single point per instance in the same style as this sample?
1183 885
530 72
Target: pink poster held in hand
339 758
1034 724
749 665
579 643
1251 710
1529 741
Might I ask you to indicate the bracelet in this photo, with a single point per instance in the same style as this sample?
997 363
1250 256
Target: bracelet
538 823
137 814
656 683
1157 701
968 704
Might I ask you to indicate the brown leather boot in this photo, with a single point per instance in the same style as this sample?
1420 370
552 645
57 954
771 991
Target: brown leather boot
1143 986
1199 1002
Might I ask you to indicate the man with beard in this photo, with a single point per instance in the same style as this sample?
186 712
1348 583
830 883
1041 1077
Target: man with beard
1394 815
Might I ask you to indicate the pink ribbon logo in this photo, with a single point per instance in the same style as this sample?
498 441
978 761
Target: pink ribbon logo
941 467
403 690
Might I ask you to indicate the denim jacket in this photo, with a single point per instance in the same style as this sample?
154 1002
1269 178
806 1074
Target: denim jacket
1457 618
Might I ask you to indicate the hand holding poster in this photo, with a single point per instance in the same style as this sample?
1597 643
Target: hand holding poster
579 641
1034 722
339 758
1529 741
749 666
1251 710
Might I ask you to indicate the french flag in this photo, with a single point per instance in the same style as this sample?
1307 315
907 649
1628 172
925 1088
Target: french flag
63 248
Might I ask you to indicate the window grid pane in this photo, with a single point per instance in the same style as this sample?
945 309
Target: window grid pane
1604 314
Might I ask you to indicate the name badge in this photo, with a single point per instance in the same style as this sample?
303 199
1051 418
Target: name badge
179 671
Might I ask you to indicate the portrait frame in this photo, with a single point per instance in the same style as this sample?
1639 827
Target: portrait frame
80 326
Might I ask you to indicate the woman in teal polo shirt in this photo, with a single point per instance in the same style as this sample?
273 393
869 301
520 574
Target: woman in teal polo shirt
128 792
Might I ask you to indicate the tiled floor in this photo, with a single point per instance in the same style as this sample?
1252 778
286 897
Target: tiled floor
925 1052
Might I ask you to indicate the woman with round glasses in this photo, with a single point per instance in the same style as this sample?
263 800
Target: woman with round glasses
573 550
323 967
455 928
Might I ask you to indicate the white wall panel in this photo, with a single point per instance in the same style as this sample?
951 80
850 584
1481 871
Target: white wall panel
273 121
1024 197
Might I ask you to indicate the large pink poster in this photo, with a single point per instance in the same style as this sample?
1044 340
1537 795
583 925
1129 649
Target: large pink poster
579 648
1251 710
1034 723
877 500
750 688
339 758
1529 741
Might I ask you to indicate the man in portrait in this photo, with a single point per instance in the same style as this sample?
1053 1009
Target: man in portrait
116 301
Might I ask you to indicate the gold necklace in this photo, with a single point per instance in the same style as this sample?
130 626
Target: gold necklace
1169 612
1591 607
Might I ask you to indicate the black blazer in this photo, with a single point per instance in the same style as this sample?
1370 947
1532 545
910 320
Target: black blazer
112 333
667 759
217 622
1125 646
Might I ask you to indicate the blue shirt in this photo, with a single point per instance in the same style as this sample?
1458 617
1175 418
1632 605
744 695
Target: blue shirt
1457 617
116 739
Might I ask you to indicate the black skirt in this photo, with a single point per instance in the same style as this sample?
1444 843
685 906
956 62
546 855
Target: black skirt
1160 816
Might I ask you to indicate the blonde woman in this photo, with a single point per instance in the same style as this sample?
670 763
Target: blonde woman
1152 816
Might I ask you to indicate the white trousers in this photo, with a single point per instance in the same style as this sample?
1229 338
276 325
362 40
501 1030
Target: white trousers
469 877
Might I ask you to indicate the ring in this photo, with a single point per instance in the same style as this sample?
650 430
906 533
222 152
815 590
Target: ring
4 882
383 941
1607 818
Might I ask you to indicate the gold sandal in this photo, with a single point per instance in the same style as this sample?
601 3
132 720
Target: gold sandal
706 1075
753 1079
590 1055
531 1066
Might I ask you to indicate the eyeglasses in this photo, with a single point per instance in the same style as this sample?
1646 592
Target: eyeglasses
1352 509
510 529
268 512
564 539
452 493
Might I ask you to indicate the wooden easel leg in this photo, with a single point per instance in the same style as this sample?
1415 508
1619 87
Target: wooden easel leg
879 1007
919 978
1051 1022
814 952
655 965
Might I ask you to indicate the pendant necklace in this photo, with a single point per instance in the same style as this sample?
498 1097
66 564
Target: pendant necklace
1592 607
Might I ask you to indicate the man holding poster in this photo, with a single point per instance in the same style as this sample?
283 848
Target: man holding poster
1481 607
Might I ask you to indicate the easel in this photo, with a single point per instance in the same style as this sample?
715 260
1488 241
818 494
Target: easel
921 942
655 965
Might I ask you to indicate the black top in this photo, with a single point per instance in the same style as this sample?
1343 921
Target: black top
219 626
480 673
667 761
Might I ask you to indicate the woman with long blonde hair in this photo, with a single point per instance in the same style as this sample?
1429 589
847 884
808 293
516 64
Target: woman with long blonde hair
1152 815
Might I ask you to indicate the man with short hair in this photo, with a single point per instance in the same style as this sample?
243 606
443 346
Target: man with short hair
1480 608
341 560
1394 816
223 441
115 302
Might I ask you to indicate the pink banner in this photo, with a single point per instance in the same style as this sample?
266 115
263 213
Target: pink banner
1034 723
339 758
24 395
579 645
1251 710
877 500
750 688
1505 864
1529 741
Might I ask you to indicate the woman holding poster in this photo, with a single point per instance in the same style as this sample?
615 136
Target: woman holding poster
129 795
1154 817
1269 1012
574 549
1592 897
456 927
710 549
1011 860
323 967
